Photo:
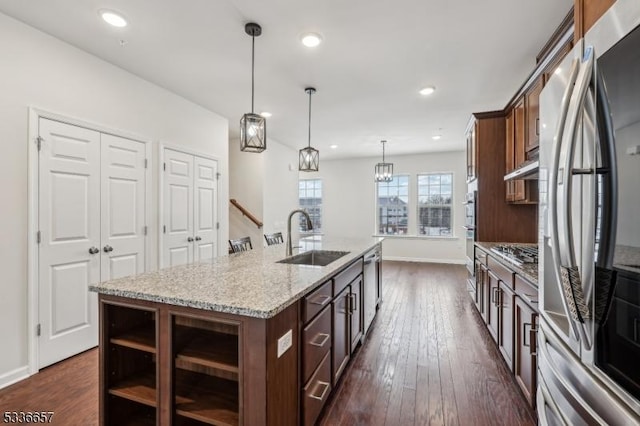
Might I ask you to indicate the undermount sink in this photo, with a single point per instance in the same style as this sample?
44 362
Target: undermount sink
314 257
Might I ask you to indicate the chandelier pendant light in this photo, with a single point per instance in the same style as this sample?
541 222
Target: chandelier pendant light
253 127
309 158
384 171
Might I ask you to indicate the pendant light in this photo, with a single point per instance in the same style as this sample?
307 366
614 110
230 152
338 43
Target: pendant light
309 157
253 127
384 171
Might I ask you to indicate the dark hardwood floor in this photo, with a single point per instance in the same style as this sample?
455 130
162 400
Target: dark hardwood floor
427 360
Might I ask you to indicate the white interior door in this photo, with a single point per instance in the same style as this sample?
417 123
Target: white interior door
178 208
69 222
123 207
205 209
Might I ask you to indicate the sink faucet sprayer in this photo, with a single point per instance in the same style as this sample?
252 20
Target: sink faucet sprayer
309 227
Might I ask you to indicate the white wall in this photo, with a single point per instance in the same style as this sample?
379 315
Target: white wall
349 204
40 71
266 184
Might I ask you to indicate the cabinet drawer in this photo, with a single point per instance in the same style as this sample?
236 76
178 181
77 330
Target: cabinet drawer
345 277
314 302
527 292
481 255
316 341
316 392
502 272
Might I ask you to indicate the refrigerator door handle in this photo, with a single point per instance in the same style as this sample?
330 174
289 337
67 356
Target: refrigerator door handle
569 272
558 142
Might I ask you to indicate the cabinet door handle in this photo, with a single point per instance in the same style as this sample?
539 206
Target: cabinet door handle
320 300
324 391
190 239
537 126
636 338
532 345
94 250
354 304
107 248
198 238
325 338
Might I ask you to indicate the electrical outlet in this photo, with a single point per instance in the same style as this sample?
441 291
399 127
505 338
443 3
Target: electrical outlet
285 342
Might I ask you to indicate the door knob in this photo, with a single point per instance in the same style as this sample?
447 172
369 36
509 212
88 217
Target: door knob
107 248
190 239
198 238
94 250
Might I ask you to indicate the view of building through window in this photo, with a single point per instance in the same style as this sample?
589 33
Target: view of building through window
310 199
393 206
435 204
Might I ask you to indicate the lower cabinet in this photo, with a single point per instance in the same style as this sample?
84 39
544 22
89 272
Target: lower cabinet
316 365
341 339
505 329
492 295
357 318
526 325
316 391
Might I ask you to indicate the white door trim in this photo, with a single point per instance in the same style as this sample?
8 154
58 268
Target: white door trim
161 147
32 246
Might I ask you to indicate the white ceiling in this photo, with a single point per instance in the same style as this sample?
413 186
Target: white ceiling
375 57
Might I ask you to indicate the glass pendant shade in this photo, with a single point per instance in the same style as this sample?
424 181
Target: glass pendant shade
384 172
253 127
253 133
309 159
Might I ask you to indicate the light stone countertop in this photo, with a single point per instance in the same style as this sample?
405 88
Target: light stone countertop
249 283
528 270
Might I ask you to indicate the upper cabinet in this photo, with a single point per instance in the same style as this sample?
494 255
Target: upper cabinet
472 152
532 106
586 13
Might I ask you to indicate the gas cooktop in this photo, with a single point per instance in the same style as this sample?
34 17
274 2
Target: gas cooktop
516 253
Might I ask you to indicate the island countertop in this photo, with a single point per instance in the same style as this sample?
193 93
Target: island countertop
249 283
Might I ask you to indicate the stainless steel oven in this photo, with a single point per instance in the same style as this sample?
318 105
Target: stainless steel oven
470 239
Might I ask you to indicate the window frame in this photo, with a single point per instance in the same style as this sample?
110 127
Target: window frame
320 215
420 205
407 206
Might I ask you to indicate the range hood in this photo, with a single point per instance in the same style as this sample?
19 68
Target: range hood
527 170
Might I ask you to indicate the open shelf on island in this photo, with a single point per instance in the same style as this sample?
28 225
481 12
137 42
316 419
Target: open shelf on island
142 338
129 413
208 348
140 389
205 398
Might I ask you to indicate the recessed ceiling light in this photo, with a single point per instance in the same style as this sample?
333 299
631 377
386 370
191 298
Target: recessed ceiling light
427 90
265 114
436 137
113 18
311 39
333 146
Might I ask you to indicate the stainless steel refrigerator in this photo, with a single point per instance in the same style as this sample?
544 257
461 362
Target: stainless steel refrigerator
589 219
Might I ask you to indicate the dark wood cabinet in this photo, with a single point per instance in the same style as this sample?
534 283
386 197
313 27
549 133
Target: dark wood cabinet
496 220
357 318
472 152
492 295
586 13
532 107
525 365
509 154
341 344
505 329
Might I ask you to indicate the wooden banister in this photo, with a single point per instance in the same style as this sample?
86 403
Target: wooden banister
246 212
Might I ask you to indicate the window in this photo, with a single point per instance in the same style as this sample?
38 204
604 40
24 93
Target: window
434 204
393 206
310 199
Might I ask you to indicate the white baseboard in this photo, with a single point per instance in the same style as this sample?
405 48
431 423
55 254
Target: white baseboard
424 260
14 376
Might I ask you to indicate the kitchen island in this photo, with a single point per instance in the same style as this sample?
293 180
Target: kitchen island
239 339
